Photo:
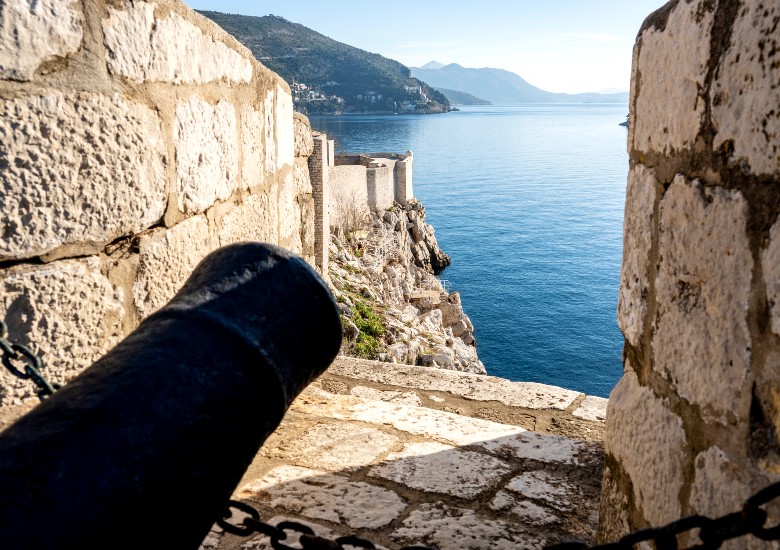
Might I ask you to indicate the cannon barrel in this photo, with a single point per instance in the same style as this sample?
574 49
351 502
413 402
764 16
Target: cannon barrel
144 448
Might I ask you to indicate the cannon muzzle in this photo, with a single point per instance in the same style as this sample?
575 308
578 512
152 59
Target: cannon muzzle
144 448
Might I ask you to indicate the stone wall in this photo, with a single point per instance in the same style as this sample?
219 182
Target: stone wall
692 426
370 182
135 137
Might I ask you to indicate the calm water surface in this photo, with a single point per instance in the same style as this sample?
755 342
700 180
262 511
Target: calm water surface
528 202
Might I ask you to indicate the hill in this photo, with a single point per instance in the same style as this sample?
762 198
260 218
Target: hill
329 76
462 98
501 86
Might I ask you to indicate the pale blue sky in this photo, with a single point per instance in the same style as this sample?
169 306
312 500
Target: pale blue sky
559 45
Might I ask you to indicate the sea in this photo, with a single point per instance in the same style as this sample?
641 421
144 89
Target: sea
528 202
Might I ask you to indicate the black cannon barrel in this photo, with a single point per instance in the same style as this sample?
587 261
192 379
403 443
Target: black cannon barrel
143 449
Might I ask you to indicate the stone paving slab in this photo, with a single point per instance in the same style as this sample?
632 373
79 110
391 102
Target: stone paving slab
393 466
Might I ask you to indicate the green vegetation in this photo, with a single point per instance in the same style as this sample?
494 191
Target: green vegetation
367 82
371 329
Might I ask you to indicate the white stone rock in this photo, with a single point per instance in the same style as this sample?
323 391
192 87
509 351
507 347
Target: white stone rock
449 528
670 70
526 511
535 446
719 486
270 133
320 495
253 145
285 134
703 288
251 220
770 260
67 311
407 398
649 443
34 31
81 168
337 447
544 486
638 229
746 93
205 138
592 408
170 49
167 258
472 386
438 468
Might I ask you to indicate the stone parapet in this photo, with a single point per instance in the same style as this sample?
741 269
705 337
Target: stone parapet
692 426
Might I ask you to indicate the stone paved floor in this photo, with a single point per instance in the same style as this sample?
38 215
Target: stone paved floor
410 455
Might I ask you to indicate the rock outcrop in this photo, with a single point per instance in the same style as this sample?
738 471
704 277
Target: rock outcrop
394 307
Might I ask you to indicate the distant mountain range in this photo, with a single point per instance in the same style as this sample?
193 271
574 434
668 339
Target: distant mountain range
462 98
330 76
501 86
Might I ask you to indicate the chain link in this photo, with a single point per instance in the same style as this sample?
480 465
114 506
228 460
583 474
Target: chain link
712 532
31 365
308 540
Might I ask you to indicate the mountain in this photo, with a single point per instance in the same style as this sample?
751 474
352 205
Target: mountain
501 86
462 98
329 76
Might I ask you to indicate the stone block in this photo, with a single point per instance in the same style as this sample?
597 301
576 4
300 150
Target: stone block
543 486
535 446
649 443
719 487
592 408
443 526
304 141
77 168
289 215
702 340
302 179
638 230
269 127
66 311
770 260
336 447
746 92
669 70
253 146
437 468
205 138
285 133
248 221
320 495
526 511
170 49
408 398
167 258
34 32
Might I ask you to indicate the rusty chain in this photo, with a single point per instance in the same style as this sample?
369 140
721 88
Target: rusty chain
712 532
31 367
308 540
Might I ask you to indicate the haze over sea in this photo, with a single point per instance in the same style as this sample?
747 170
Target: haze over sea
528 202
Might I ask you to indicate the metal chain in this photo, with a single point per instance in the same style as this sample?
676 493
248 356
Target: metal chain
31 367
308 540
712 532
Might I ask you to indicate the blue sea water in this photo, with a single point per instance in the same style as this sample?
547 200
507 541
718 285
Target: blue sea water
528 202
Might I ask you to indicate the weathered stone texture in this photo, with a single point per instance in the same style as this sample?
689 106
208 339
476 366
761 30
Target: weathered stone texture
669 71
251 220
703 287
654 457
770 260
77 168
66 311
718 487
205 138
32 32
638 230
269 125
285 133
170 49
252 145
167 258
746 93
304 141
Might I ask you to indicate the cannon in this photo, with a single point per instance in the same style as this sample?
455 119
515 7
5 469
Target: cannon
145 447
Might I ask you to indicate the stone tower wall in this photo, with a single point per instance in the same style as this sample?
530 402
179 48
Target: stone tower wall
135 137
692 426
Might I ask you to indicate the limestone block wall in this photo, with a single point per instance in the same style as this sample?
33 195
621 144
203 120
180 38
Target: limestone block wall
692 427
135 137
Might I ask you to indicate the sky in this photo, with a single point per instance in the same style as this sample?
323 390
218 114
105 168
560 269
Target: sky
568 46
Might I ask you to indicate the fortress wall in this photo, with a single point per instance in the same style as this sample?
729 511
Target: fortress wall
693 425
135 138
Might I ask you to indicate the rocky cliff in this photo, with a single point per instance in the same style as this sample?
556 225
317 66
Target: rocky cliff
394 308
